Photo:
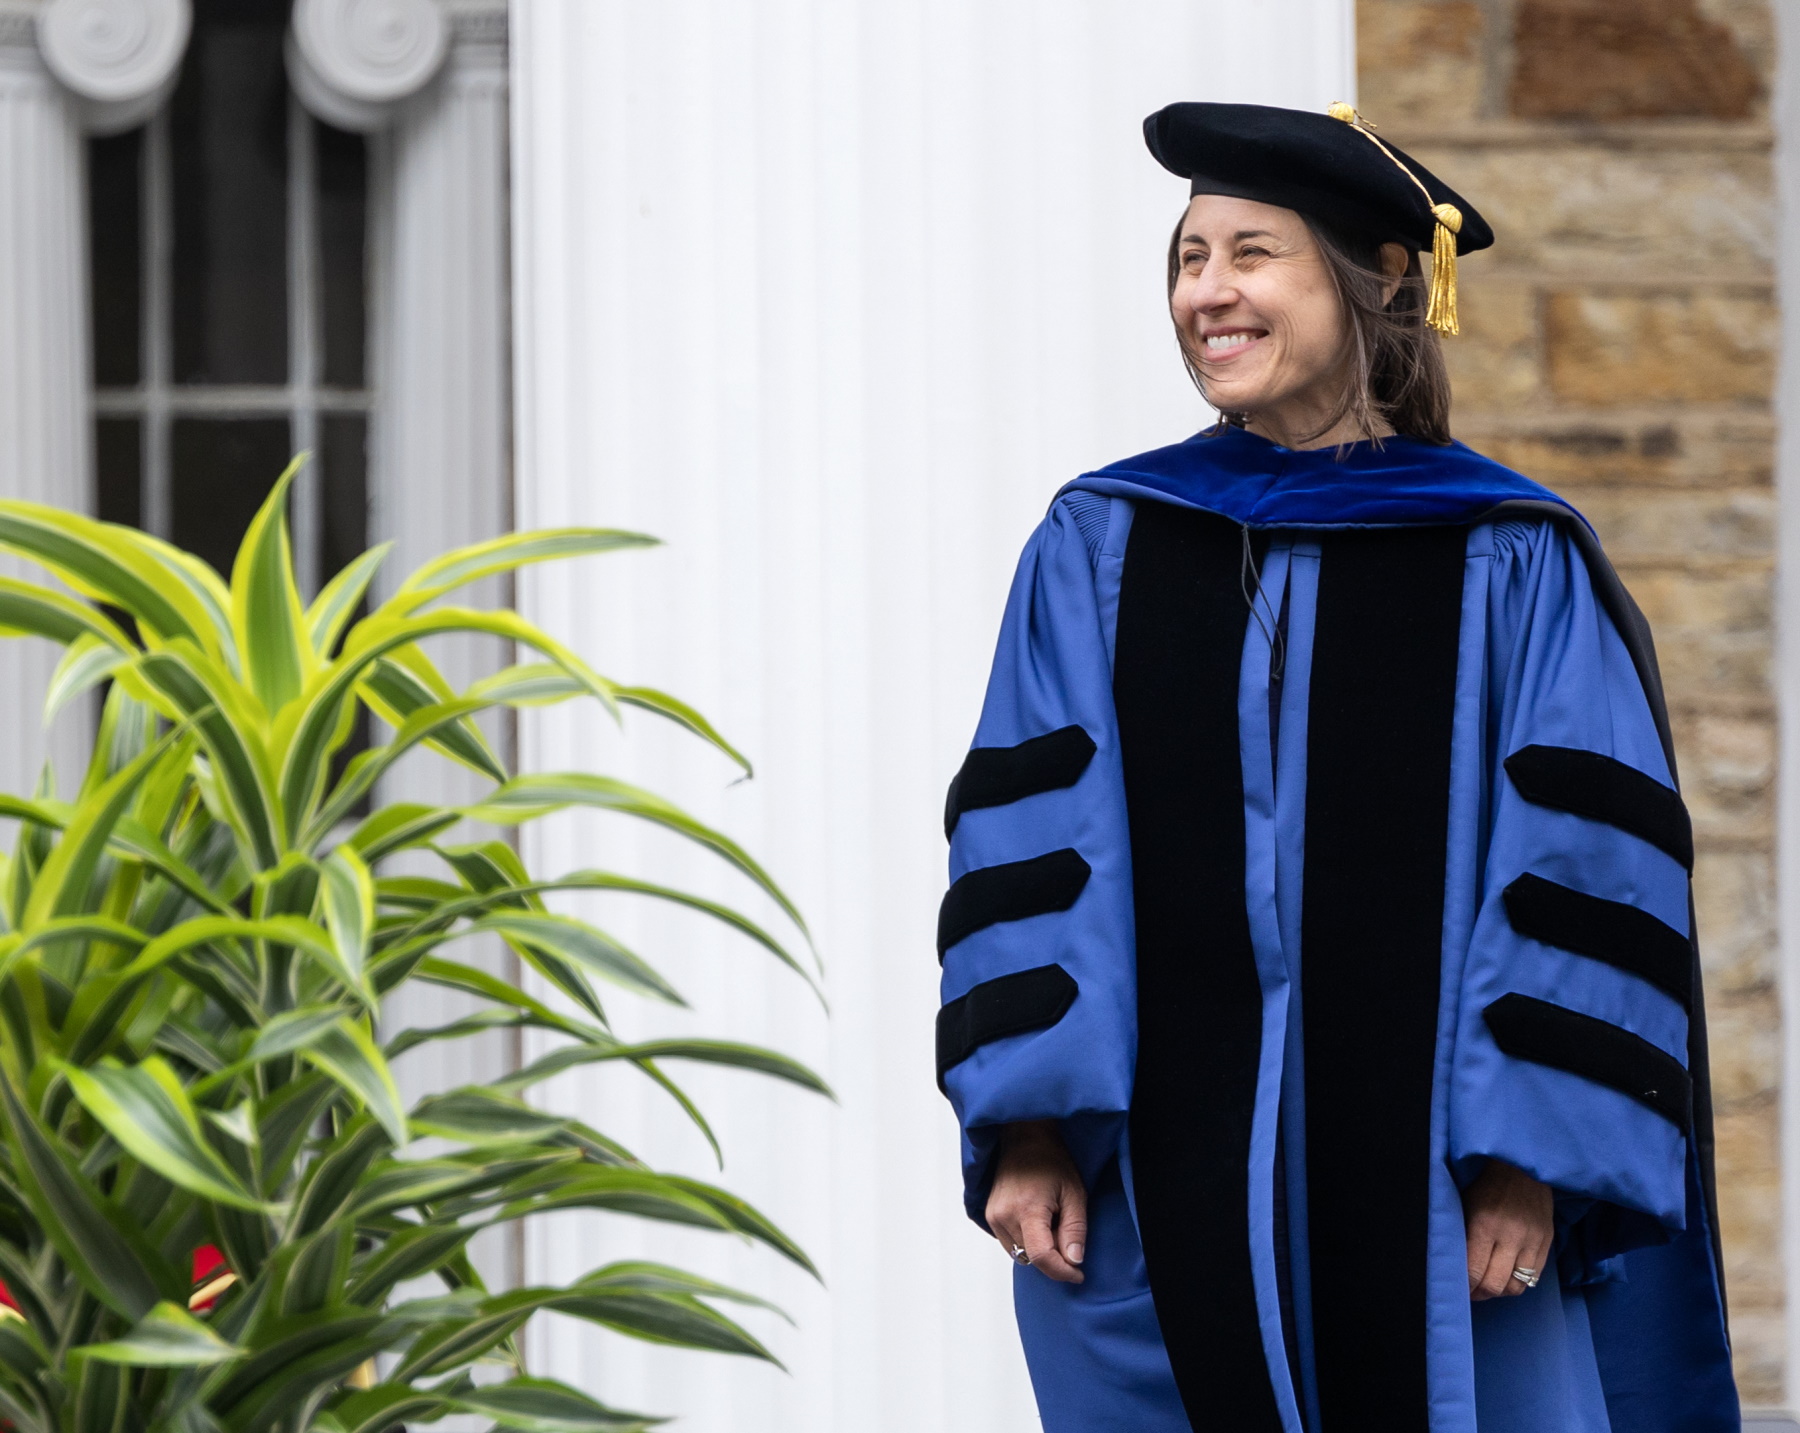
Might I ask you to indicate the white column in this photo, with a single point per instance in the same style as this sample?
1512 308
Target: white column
44 426
832 295
428 80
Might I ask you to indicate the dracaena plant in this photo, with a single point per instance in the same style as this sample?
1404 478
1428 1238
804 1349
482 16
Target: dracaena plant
192 1054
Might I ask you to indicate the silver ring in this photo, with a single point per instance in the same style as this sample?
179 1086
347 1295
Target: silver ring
1528 1277
1019 1255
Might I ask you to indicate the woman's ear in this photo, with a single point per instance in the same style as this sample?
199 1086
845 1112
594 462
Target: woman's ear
1394 259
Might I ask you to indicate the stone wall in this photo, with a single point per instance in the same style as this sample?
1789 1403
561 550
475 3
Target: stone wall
1619 344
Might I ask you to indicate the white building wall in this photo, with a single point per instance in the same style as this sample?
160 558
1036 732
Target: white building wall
832 296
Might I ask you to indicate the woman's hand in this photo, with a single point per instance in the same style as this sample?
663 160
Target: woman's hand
1510 1221
1038 1202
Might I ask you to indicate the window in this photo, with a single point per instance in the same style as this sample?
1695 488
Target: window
228 246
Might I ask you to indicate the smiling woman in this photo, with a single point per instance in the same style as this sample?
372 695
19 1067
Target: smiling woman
1335 320
1322 1007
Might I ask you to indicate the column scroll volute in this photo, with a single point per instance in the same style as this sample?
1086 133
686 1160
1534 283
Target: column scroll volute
353 62
120 59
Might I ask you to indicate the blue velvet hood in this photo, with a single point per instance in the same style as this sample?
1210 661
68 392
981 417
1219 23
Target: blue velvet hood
1397 482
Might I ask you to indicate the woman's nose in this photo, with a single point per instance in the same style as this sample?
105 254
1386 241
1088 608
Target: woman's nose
1216 288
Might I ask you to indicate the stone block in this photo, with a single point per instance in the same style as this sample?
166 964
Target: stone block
1420 61
1628 59
1497 362
1658 448
1701 669
1744 1035
1734 897
1673 527
1586 209
1700 345
1735 598
1727 774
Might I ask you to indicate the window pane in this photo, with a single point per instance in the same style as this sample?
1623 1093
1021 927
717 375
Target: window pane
343 492
222 470
229 139
115 219
343 221
344 534
119 471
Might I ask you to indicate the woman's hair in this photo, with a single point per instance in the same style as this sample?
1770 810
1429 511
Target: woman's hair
1395 367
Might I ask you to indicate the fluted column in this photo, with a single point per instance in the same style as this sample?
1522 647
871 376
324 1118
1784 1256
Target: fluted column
43 359
427 80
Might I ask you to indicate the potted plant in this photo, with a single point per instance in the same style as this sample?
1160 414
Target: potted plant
213 1213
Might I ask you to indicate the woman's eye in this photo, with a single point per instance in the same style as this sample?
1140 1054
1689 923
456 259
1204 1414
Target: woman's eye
1250 251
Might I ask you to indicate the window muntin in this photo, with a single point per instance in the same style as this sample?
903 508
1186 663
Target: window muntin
228 249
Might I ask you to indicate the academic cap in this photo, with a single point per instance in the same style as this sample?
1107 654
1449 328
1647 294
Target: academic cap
1331 167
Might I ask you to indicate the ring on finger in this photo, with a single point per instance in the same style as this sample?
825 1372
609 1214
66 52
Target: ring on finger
1019 1256
1528 1277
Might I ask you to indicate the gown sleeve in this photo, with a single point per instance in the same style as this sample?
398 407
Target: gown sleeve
1035 935
1572 1016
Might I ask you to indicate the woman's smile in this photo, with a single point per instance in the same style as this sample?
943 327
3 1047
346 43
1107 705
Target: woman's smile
1224 345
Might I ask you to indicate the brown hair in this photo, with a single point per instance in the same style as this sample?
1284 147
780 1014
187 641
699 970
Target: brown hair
1395 368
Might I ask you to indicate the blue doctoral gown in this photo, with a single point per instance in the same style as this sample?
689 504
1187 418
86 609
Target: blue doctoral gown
1320 841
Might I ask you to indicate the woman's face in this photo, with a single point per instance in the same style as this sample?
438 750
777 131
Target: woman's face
1257 308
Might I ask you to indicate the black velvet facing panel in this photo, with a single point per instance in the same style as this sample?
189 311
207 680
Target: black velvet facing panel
1377 817
1182 620
1621 935
1000 775
1600 788
1597 1050
1009 1005
1011 892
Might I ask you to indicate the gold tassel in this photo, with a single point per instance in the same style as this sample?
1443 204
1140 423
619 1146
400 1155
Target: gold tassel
1440 309
1440 312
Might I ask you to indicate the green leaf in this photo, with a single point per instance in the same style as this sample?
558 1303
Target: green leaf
146 1110
711 1052
76 1219
265 602
684 716
166 1337
348 894
396 693
349 1056
527 797
541 1405
89 661
400 827
292 1030
504 554
577 941
477 1114
387 1405
62 885
98 560
197 688
337 604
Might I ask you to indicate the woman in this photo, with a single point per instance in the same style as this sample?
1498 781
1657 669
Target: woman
1322 1011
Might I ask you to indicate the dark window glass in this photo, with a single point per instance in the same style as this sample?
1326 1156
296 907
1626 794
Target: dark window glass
115 219
221 471
228 130
343 235
119 470
343 492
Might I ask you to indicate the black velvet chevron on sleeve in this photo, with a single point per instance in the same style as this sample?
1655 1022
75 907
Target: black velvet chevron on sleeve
1010 892
1621 935
1545 1034
1001 775
1010 1005
1586 783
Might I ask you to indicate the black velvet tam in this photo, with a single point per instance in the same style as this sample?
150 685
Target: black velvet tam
1314 164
